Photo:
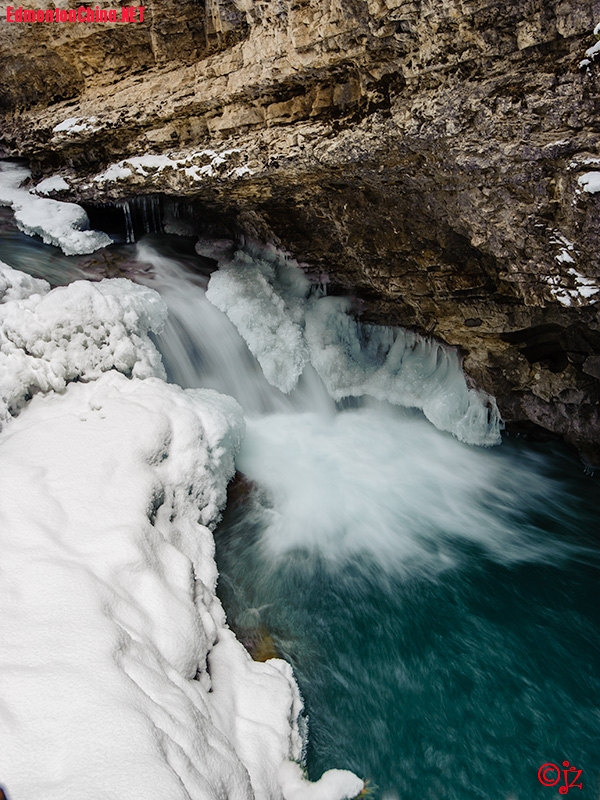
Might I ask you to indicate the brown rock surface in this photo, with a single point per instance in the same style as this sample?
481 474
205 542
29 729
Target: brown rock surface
423 155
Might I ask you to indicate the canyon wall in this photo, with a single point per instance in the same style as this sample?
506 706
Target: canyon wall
430 157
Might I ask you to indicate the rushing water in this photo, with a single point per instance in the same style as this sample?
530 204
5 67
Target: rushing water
439 602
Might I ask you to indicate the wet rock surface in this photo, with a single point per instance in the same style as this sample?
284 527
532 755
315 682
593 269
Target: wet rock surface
424 157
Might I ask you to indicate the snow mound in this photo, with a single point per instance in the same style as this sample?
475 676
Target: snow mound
51 338
62 224
118 675
15 285
53 184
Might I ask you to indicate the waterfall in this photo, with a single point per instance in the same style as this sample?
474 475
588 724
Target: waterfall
129 232
345 456
309 351
201 347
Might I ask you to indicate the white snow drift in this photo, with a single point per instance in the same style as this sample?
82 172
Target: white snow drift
119 678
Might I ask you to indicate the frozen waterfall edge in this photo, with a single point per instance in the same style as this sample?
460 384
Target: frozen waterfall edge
287 325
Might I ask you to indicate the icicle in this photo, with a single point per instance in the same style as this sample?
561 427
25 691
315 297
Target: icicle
129 231
141 202
156 217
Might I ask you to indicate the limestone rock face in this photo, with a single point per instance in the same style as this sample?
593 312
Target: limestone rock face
427 157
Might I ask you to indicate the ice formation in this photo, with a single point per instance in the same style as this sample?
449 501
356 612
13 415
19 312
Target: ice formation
118 675
269 321
62 224
267 298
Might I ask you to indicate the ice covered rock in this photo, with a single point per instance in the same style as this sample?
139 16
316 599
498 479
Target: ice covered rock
285 329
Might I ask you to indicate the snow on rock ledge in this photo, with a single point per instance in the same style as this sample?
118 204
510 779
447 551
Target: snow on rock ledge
50 185
590 182
118 675
192 167
62 224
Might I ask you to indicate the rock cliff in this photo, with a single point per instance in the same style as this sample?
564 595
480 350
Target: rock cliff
431 157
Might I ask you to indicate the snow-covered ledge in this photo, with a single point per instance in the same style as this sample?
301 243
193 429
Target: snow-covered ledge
65 225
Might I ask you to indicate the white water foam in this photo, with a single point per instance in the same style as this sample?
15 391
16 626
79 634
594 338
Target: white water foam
379 480
383 483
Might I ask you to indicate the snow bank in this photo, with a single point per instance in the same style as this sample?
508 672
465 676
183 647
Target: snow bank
112 635
118 675
62 224
266 296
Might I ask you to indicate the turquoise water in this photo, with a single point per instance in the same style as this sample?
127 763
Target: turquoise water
439 603
451 672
